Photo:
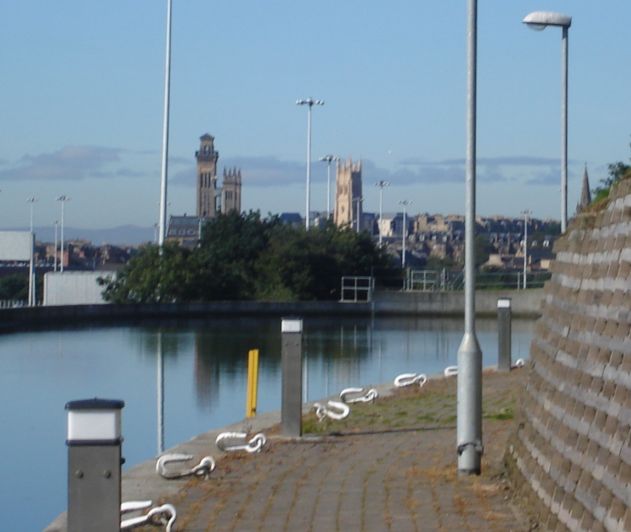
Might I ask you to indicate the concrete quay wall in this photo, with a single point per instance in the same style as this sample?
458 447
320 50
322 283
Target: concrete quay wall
572 451
435 304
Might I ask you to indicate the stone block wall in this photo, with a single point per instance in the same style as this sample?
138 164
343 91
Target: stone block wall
572 450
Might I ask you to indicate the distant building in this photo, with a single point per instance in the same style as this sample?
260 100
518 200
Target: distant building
348 195
292 218
231 191
212 199
207 177
185 230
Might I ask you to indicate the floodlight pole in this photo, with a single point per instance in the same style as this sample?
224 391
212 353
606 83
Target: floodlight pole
328 159
31 273
165 130
309 102
381 184
469 409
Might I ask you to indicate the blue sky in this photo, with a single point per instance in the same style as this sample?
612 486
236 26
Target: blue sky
82 90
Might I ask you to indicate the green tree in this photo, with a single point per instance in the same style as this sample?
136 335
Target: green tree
153 277
14 286
241 256
615 172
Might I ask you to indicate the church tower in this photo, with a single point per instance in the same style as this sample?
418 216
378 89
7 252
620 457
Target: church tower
586 195
348 205
231 191
207 177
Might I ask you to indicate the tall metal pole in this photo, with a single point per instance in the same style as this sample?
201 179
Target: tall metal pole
564 53
309 102
328 159
405 204
539 20
61 247
62 200
160 393
31 272
381 184
308 196
165 131
328 190
469 410
55 250
525 213
358 213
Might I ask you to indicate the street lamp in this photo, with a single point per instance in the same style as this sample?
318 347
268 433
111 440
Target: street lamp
469 409
31 273
328 159
165 131
525 213
381 184
62 199
309 102
540 20
405 204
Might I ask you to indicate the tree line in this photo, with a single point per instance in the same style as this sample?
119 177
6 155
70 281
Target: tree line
245 256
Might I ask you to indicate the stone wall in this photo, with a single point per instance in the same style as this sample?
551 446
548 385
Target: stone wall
572 450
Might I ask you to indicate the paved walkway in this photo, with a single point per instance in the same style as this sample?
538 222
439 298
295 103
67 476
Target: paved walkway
391 466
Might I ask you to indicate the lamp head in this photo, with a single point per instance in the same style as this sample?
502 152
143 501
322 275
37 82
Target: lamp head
539 20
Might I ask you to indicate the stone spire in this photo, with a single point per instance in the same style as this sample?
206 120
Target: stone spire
586 195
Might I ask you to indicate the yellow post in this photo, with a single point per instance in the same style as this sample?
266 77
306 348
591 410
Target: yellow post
253 383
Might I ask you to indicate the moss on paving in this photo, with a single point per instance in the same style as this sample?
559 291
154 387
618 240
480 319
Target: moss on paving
432 406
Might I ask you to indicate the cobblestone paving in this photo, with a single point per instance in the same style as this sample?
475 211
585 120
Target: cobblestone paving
365 479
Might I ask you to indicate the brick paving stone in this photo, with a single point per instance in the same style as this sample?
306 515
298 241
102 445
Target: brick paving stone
395 479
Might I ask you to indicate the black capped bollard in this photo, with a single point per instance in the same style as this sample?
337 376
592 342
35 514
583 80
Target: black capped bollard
94 465
504 355
291 402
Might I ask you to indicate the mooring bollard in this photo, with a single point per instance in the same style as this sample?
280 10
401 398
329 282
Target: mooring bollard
94 465
291 403
504 354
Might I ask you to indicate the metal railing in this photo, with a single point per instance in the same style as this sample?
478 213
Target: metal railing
357 289
13 303
450 280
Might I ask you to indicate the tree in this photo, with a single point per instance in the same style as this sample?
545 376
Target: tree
615 172
152 277
14 286
241 256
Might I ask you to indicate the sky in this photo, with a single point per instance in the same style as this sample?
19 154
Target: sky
82 88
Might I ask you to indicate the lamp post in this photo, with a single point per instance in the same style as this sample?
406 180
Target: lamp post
540 20
62 200
525 213
309 102
381 184
405 204
165 131
328 159
469 409
31 273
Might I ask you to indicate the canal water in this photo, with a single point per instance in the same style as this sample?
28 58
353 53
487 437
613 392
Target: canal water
204 370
